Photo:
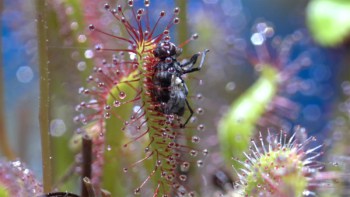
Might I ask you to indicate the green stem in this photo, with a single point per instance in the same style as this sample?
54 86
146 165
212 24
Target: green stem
4 145
44 111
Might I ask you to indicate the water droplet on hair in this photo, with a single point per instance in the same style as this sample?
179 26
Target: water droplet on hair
137 191
183 177
91 27
199 163
205 152
199 97
200 111
201 127
195 36
109 148
176 20
195 139
122 95
116 103
193 153
89 54
147 3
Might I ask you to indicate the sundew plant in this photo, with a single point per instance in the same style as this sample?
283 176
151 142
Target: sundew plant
158 98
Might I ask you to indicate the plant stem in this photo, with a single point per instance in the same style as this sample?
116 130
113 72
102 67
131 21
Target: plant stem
44 111
87 160
4 145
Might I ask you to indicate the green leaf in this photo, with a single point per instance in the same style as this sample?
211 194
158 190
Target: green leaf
112 178
329 21
3 192
238 125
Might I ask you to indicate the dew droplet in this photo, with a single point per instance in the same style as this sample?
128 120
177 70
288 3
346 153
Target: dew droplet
205 152
193 153
107 6
176 20
137 191
183 177
176 10
109 148
199 163
200 111
185 166
122 95
195 139
91 27
195 36
107 115
201 127
89 54
116 103
199 97
147 3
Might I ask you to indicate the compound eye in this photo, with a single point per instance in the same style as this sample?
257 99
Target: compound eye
168 60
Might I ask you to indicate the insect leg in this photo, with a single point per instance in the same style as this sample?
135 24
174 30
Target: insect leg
200 65
191 113
191 62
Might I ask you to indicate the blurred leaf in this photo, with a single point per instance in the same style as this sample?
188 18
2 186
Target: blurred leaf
3 192
237 126
329 21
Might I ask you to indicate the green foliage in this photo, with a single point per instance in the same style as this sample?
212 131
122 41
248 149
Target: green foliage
238 125
329 21
114 137
3 192
282 166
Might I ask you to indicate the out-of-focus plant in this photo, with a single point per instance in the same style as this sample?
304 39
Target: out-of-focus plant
258 103
329 21
283 167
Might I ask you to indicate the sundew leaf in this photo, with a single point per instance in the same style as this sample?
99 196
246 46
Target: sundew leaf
114 138
329 21
238 125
